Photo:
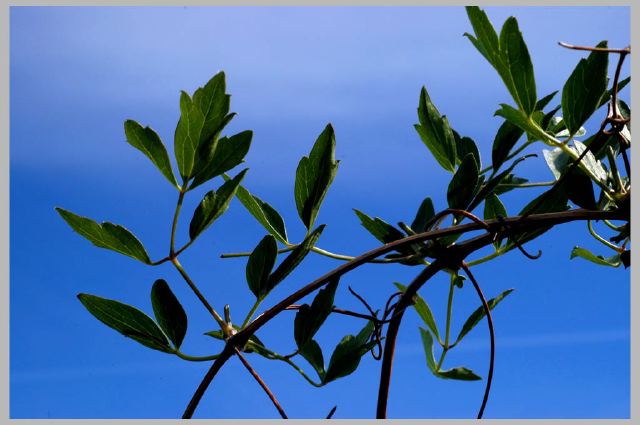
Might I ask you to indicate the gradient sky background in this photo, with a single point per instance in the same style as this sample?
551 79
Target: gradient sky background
78 73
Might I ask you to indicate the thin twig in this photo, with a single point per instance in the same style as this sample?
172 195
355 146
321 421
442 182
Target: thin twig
264 386
487 312
626 50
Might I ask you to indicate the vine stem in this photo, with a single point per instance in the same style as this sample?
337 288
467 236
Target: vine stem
601 239
264 386
516 224
492 338
251 312
392 334
201 297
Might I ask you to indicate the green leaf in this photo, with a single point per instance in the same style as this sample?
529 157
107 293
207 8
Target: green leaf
435 132
479 314
517 59
463 184
314 176
148 142
613 261
590 162
520 119
127 320
493 208
465 145
585 87
260 264
312 353
106 235
213 102
229 152
487 41
606 97
214 205
506 138
458 373
263 212
380 229
427 343
556 160
424 214
187 135
294 258
309 318
423 310
169 313
542 103
346 356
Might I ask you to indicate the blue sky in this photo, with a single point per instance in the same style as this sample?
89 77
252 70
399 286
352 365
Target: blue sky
78 73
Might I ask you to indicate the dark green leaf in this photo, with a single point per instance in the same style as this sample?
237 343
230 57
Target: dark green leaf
260 264
459 373
465 145
479 314
312 353
463 184
346 356
583 90
187 135
380 229
106 235
581 192
309 318
493 208
294 258
516 56
229 152
148 142
424 214
435 132
263 212
423 310
613 261
625 258
127 320
542 103
606 96
169 313
487 41
506 138
314 176
214 205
